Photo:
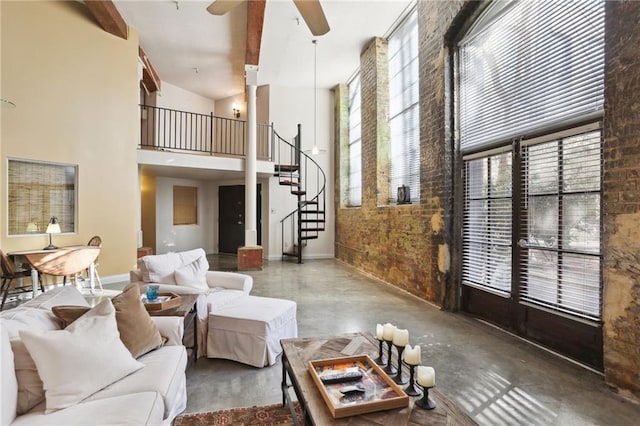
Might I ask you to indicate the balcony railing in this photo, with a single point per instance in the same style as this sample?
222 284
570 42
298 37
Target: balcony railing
170 129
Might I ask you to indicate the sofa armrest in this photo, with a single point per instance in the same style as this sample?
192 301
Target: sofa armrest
230 280
170 327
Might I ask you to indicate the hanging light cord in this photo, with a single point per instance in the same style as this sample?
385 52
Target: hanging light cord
315 93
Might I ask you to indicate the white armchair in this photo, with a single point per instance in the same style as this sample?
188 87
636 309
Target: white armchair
187 273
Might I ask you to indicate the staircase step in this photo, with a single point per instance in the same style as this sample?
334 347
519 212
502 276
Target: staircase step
290 253
310 202
312 220
288 168
312 229
298 192
313 211
289 183
309 237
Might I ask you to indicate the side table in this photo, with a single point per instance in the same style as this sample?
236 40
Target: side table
187 310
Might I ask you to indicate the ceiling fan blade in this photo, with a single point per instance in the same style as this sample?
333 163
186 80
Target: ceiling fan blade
220 7
313 15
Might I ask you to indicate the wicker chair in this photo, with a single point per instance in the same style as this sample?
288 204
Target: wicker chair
9 273
95 241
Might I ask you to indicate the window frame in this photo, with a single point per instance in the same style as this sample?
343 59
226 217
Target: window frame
404 145
51 177
354 183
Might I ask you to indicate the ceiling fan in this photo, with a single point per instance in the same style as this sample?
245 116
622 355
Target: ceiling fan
310 10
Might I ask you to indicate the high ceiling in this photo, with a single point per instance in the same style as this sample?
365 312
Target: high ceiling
205 54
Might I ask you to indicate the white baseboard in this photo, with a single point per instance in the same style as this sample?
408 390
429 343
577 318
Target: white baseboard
114 279
304 257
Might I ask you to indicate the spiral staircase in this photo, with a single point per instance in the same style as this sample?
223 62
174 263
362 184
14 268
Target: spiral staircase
307 182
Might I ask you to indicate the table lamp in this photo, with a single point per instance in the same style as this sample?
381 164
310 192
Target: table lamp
52 228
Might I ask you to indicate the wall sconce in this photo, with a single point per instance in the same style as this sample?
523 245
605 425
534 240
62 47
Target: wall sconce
236 111
52 228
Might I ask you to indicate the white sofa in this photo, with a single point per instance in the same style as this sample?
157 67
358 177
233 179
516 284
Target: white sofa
154 394
217 289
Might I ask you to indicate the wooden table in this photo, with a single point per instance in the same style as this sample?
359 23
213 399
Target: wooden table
297 352
63 261
187 310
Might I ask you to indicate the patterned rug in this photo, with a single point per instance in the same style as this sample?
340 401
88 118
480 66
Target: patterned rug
265 416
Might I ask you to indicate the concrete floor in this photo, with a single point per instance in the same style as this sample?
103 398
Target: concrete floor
495 377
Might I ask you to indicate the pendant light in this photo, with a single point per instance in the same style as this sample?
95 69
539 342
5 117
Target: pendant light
315 150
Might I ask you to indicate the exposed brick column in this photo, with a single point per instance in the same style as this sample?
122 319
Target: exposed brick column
621 245
374 78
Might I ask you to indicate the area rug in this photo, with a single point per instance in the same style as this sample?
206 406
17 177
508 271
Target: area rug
265 416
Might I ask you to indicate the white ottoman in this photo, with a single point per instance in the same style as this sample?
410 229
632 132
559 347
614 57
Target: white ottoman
249 329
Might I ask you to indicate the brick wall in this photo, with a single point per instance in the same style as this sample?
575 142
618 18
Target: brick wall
404 245
412 247
621 303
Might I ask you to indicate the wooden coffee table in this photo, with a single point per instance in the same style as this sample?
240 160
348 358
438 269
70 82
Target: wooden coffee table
296 353
187 310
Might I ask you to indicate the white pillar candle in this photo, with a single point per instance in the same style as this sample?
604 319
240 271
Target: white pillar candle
426 376
379 331
387 331
412 355
400 337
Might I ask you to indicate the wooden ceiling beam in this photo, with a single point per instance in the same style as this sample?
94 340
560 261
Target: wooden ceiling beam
255 20
108 17
150 78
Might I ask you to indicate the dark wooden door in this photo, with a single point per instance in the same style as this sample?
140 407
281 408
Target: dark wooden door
231 218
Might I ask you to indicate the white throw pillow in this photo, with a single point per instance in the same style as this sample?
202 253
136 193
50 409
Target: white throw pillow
78 361
193 275
159 268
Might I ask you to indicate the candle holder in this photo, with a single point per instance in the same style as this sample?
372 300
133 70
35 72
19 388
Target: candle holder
380 360
426 403
389 369
411 390
399 379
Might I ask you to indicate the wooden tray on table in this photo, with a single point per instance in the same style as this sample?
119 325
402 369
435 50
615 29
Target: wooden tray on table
380 392
163 302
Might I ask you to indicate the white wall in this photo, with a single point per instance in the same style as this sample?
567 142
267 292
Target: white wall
289 106
224 107
176 238
174 97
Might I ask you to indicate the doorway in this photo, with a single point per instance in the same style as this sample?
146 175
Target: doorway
231 218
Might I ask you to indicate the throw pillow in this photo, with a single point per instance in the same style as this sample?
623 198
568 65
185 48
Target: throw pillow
159 268
82 359
137 330
193 274
9 383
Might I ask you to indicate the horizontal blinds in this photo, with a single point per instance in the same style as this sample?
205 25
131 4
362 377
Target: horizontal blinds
404 150
355 143
561 251
487 222
36 192
536 65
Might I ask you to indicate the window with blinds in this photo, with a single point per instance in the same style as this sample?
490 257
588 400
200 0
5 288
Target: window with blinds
487 221
36 191
354 190
404 149
561 199
530 65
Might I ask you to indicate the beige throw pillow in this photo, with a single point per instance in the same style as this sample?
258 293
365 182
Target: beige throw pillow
137 330
78 361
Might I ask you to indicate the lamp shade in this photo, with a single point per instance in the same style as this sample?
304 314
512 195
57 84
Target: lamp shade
53 227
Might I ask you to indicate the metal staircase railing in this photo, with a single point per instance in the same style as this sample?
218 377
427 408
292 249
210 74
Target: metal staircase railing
307 181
